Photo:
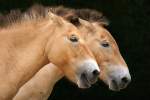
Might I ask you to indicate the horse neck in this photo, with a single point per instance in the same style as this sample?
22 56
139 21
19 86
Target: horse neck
29 45
41 85
53 75
49 75
23 54
35 37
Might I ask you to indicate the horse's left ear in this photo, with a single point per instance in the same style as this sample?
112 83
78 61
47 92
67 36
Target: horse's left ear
104 22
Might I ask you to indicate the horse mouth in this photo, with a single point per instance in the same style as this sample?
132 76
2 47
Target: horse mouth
84 82
114 86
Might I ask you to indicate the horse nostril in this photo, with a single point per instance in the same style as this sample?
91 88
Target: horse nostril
125 80
96 73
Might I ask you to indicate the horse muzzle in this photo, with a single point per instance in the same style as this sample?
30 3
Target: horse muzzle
119 79
89 74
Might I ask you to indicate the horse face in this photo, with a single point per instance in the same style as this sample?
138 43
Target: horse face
70 52
114 70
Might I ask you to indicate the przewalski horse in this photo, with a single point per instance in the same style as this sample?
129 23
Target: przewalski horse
34 40
114 71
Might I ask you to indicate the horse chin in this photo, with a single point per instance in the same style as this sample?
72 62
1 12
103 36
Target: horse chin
83 85
83 82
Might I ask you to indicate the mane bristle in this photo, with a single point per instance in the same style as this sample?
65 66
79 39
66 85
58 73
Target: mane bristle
86 14
38 11
14 16
92 16
10 18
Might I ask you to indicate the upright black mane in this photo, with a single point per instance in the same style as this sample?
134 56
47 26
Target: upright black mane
39 11
35 12
86 14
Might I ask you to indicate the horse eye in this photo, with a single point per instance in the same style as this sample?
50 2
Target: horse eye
73 38
106 44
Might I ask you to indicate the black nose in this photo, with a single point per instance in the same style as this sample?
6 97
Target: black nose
96 73
125 80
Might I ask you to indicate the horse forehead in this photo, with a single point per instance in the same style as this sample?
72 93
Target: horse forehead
86 24
104 34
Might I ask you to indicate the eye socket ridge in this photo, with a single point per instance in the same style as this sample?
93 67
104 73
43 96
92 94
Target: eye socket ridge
74 38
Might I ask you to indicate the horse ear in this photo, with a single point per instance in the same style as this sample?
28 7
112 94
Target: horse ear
73 19
54 18
104 22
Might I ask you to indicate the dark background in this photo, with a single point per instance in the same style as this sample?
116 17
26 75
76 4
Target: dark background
130 26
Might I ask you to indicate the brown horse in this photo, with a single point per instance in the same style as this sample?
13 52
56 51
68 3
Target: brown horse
114 71
35 39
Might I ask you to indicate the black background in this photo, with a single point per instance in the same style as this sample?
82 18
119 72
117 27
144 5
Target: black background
130 26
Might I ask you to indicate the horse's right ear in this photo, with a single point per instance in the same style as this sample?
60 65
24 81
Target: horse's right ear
75 20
